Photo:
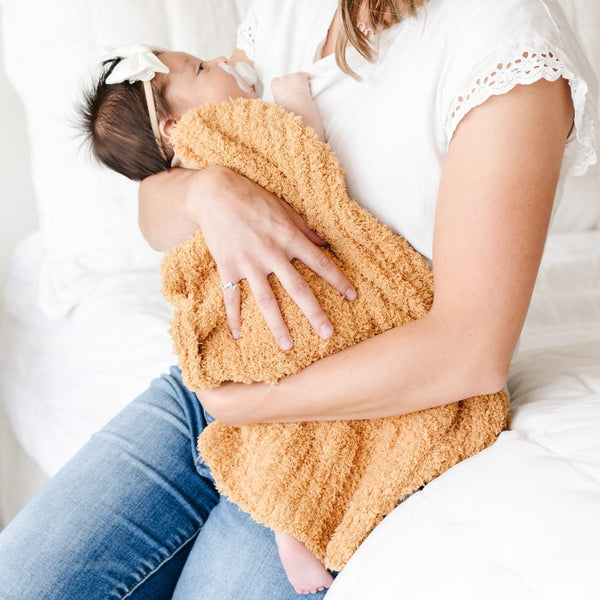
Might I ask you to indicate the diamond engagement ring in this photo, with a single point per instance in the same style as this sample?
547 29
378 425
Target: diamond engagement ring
229 286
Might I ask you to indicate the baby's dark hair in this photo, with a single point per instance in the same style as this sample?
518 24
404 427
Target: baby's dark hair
116 123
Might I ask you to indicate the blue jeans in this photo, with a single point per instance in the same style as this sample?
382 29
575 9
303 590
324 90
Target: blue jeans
135 515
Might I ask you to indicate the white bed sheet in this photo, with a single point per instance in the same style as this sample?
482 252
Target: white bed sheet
63 379
522 518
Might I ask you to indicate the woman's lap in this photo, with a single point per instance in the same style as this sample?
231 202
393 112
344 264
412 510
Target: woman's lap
120 519
234 558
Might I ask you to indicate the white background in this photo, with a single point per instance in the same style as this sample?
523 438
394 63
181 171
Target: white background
17 209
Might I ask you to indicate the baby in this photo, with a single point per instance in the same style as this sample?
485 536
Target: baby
129 116
130 113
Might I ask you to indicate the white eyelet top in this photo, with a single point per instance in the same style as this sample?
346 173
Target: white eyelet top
391 130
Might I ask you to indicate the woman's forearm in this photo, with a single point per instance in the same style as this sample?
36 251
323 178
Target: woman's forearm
419 365
168 214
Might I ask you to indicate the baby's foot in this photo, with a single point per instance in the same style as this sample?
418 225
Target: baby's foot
304 571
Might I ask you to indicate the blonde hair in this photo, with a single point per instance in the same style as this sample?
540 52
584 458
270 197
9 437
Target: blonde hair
381 14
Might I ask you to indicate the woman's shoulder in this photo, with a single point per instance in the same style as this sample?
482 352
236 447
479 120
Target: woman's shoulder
505 40
493 45
493 42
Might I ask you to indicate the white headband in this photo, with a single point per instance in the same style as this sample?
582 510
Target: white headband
139 63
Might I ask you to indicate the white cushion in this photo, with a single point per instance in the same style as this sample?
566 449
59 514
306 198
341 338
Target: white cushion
520 519
88 215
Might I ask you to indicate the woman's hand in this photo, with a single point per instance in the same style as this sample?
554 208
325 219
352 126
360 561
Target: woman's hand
234 403
252 233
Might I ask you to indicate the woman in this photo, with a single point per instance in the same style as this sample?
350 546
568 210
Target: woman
442 141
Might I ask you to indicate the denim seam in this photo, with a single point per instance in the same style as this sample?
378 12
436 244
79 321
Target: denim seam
161 564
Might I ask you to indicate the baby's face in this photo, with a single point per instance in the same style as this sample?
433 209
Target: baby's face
192 82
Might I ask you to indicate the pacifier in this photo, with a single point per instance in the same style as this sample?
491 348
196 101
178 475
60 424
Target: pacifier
243 73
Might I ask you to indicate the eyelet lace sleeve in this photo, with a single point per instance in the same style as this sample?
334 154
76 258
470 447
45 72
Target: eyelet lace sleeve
246 33
525 66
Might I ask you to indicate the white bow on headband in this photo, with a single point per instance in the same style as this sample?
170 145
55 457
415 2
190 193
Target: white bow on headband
138 63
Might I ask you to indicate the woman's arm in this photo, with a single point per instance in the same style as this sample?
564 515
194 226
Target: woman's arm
168 214
494 206
249 232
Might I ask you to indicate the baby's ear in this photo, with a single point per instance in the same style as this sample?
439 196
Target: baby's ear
166 127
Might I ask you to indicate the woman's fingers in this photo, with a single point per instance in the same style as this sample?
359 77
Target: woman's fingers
257 272
301 293
316 260
265 299
231 296
251 233
267 303
299 222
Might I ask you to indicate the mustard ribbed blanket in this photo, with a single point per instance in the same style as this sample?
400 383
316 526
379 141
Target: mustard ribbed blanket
326 483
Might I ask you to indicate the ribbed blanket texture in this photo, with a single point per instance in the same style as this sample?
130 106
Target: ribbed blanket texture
326 483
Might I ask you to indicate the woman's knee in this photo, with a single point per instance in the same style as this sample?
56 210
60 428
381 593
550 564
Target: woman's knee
124 506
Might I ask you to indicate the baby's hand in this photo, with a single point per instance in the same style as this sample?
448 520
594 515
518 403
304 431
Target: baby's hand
292 86
293 93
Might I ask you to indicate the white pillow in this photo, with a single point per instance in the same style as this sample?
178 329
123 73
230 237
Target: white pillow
520 519
88 215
